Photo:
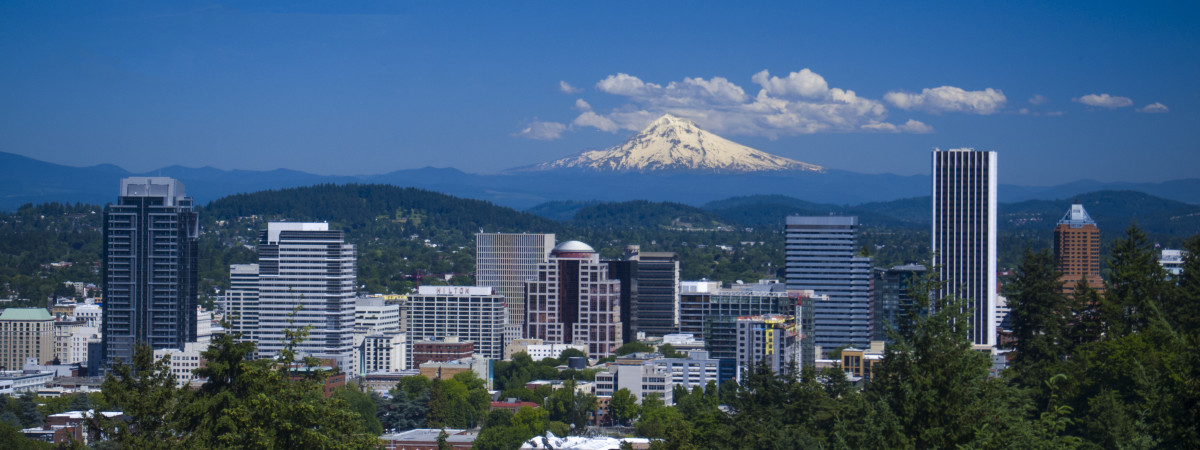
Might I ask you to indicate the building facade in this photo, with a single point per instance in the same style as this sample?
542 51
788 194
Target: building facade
655 309
504 261
150 268
307 277
469 313
571 300
711 314
773 339
240 302
964 235
441 350
695 370
823 256
1077 250
639 373
25 333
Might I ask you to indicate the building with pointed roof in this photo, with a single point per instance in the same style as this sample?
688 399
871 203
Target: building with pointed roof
1077 250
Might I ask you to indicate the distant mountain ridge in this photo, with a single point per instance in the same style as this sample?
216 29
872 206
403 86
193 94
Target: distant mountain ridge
27 180
674 144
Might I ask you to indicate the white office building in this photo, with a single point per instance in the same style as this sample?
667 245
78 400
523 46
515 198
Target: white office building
307 277
470 313
503 261
240 302
964 234
696 370
640 374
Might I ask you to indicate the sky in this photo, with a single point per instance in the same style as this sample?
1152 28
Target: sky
1063 91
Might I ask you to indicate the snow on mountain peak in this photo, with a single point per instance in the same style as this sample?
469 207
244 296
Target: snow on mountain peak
671 143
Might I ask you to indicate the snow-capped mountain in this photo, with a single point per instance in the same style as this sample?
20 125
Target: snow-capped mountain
674 144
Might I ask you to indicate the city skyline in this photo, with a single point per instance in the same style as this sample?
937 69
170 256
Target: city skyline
1064 91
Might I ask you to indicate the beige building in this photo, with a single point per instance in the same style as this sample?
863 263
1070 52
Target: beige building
25 333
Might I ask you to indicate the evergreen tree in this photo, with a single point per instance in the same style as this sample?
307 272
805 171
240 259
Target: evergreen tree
1183 310
1137 284
1039 318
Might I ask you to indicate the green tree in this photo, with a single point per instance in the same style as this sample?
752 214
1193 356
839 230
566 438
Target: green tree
623 406
1183 310
1039 318
572 407
1137 284
146 392
363 404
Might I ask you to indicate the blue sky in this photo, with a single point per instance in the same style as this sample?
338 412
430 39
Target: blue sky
1063 90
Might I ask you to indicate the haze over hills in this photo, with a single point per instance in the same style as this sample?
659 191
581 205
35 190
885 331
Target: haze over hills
674 144
26 180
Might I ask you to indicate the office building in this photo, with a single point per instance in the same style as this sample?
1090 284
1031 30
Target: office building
149 268
504 261
307 277
773 339
71 340
376 315
442 350
381 352
469 313
571 300
964 235
240 302
25 333
655 309
1077 250
640 374
626 271
711 313
893 298
697 369
822 255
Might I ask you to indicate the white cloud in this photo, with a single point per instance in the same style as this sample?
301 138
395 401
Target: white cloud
912 126
582 105
805 83
566 88
1153 108
625 84
949 99
1104 101
1038 99
542 131
591 119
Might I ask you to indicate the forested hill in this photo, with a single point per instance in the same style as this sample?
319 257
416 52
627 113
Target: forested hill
355 206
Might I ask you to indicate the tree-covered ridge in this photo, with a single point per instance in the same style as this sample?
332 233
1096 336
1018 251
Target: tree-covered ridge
646 214
33 238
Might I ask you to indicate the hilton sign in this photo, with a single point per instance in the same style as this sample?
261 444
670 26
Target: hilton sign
454 290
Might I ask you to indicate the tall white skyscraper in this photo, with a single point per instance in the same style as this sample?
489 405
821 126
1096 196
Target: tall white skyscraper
964 234
307 277
503 262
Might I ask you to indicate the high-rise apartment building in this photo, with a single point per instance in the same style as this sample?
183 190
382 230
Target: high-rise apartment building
150 268
25 333
571 300
1077 250
470 313
306 277
822 255
504 261
964 234
240 302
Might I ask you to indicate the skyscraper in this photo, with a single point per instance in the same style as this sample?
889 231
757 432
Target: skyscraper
964 234
823 256
150 268
504 261
307 276
470 313
571 300
1077 250
892 298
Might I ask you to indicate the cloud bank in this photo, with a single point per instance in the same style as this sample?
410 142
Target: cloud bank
949 99
542 131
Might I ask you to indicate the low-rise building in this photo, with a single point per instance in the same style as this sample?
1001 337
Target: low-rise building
427 439
447 349
640 374
539 351
697 369
860 363
446 370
